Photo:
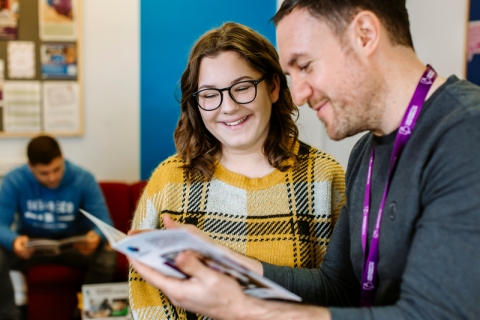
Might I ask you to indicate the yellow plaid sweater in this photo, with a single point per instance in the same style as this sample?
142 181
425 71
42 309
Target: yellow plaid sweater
284 218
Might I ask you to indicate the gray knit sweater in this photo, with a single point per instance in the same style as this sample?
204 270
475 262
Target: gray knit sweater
429 265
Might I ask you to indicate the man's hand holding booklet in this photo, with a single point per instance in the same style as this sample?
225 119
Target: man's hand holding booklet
158 249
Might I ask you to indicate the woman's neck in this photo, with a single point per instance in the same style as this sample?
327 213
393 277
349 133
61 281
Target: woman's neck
252 164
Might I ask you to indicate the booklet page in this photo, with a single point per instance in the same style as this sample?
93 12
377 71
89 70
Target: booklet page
158 249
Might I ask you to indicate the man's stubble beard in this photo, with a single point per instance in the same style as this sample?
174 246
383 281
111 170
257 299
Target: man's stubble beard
357 112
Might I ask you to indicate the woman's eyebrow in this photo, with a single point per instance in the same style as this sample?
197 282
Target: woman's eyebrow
240 79
210 86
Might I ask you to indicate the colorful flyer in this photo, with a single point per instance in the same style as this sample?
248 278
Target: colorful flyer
59 60
21 59
473 39
61 106
9 19
473 43
57 19
21 106
106 301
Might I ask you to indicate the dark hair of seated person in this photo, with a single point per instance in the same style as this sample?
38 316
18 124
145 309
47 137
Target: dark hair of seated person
42 150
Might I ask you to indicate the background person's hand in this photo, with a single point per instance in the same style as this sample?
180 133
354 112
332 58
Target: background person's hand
90 245
206 292
20 249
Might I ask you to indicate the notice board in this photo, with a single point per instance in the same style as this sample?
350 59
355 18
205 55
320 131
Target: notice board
40 68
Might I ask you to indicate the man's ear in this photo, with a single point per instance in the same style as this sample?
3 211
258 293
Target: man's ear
365 31
275 88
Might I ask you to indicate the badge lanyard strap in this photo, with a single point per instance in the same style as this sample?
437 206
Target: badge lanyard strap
370 257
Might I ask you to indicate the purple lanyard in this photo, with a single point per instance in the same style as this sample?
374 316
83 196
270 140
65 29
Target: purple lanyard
370 257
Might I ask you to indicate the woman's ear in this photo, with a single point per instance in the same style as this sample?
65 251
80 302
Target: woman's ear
275 88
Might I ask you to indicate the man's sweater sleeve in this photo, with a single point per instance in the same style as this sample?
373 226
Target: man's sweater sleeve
334 284
8 207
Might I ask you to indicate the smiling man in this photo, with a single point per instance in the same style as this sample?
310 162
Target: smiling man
46 194
406 242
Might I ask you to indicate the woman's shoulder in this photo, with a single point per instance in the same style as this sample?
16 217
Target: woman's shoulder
171 162
306 151
319 161
171 169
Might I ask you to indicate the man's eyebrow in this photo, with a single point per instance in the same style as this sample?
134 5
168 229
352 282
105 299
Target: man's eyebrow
209 86
294 58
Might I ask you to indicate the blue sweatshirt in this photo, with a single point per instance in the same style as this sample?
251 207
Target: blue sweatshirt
49 213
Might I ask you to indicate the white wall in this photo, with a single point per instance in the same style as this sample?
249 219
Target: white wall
439 31
439 35
109 147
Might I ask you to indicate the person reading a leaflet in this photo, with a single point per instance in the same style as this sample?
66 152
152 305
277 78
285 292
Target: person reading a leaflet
42 200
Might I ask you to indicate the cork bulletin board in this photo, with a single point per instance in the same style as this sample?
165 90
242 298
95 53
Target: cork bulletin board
40 68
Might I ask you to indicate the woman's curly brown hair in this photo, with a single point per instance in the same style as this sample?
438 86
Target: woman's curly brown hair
194 143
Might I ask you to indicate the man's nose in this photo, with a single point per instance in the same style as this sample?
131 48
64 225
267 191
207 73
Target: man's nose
300 89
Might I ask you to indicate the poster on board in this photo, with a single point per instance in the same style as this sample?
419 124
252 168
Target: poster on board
57 19
59 60
21 101
2 78
9 10
61 106
21 59
473 50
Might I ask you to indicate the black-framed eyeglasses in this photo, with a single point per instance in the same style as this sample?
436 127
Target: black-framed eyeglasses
241 92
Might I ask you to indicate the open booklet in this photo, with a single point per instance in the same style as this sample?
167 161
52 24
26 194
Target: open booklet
158 250
48 247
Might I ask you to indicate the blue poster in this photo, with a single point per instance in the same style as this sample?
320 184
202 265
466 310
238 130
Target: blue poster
59 60
473 54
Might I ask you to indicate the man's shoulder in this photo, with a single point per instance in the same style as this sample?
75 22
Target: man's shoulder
18 175
75 173
458 100
360 147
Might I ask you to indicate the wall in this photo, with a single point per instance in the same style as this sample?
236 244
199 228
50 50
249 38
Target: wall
110 146
439 35
168 31
111 93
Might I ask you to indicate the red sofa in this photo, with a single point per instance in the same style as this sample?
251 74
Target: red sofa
52 289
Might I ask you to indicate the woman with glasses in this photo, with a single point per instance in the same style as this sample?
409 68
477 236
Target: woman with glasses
240 174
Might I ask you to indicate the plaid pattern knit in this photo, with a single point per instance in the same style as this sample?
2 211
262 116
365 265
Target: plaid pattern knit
284 218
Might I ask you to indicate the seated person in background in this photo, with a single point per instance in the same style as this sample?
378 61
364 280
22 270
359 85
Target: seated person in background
240 173
46 195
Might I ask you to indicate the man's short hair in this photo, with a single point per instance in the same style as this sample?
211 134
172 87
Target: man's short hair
339 13
43 149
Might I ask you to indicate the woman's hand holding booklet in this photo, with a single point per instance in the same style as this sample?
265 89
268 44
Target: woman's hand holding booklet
159 248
